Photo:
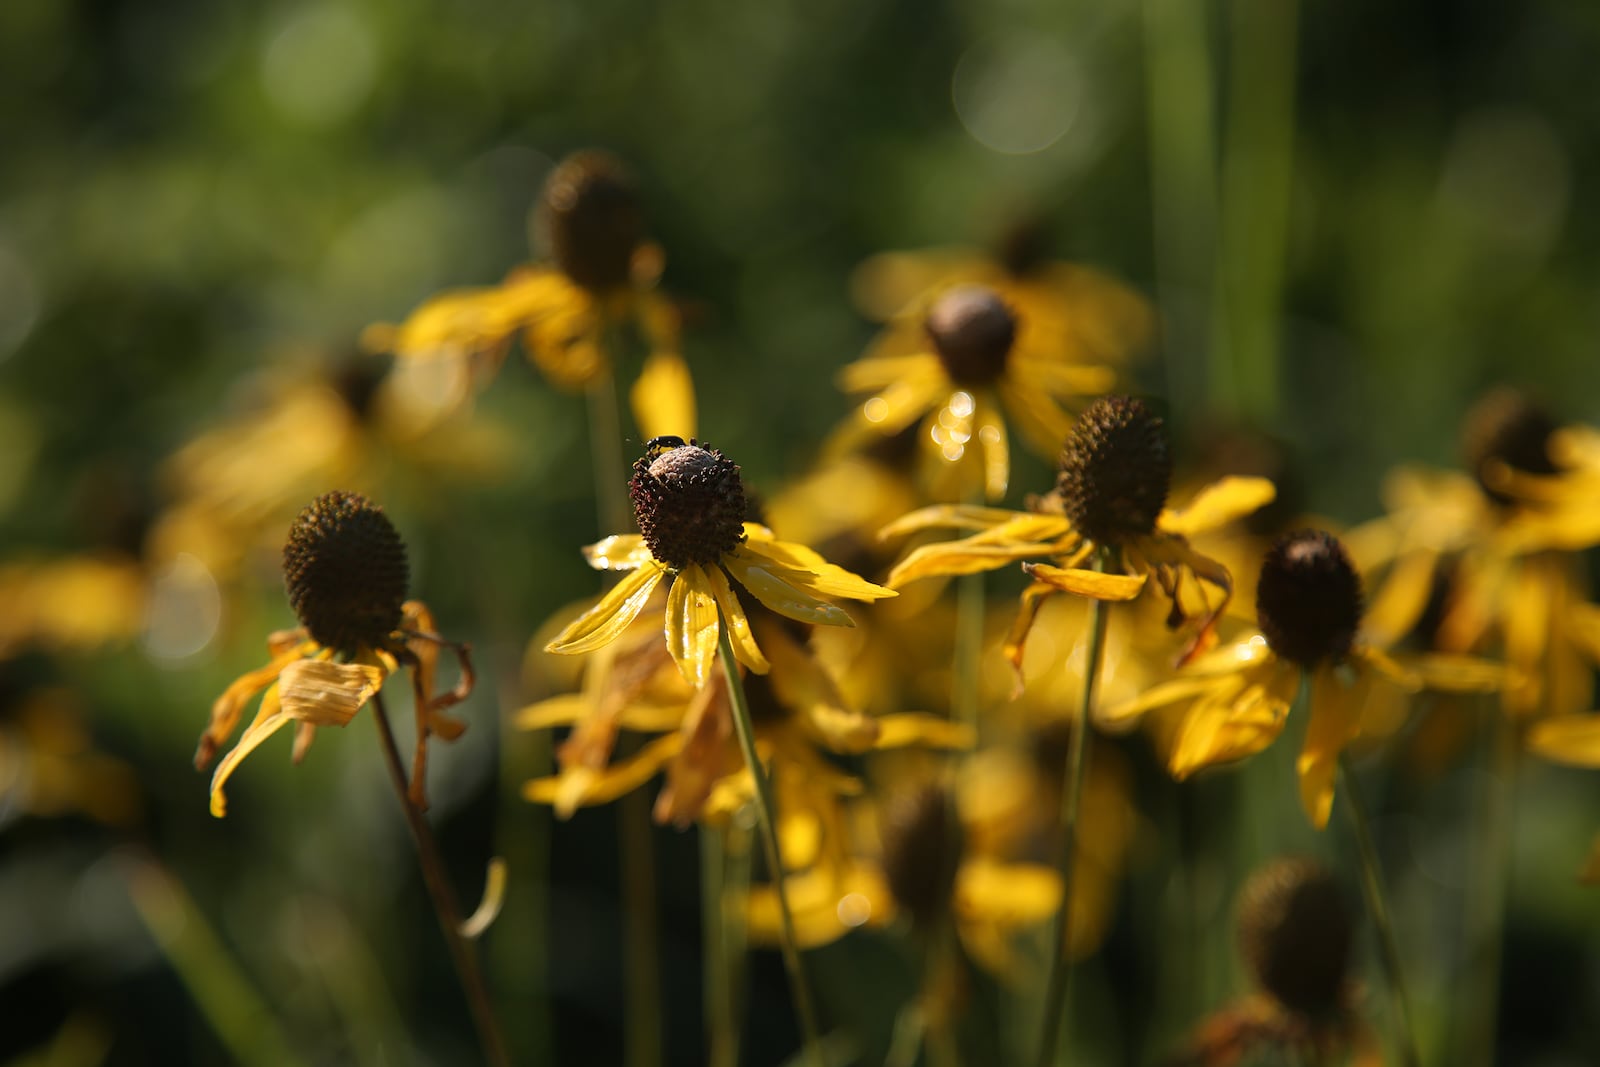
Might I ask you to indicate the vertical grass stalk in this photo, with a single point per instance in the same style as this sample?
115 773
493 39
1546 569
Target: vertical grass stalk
443 897
1058 987
739 705
1378 906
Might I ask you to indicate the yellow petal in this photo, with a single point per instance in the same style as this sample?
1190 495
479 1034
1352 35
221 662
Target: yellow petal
1335 716
740 636
663 397
1573 740
962 517
602 787
1218 504
1095 584
691 625
570 708
778 594
269 720
1459 674
325 693
619 552
1242 716
804 567
606 621
952 558
1401 598
904 729
1010 894
1159 696
991 433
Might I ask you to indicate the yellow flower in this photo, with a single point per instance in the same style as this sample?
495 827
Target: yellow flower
961 361
1234 702
690 506
71 603
1109 495
1501 541
345 568
1099 318
603 277
236 485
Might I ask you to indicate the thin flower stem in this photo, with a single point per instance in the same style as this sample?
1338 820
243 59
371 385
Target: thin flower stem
1378 906
444 899
1487 892
1059 986
722 1031
799 988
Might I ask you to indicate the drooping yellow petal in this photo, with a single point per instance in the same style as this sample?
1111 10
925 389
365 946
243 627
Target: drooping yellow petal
1096 585
691 625
1573 740
1335 717
324 693
994 446
763 580
745 649
663 397
805 567
619 552
269 720
225 710
606 621
1459 674
1239 718
1013 525
582 786
1164 695
1218 504
568 708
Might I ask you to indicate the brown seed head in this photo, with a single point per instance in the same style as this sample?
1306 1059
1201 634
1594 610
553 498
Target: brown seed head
1295 932
972 331
590 216
345 568
921 844
1308 601
1116 468
689 502
1506 427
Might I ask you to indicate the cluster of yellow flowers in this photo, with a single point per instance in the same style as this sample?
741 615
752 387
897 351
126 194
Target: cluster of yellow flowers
919 759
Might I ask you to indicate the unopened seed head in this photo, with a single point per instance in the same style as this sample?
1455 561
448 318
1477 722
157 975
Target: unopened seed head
591 219
1308 600
345 569
689 502
972 331
1295 933
1116 468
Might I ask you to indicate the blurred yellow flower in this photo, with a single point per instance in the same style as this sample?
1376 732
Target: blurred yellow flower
1234 701
602 280
690 505
345 567
1109 495
961 361
70 603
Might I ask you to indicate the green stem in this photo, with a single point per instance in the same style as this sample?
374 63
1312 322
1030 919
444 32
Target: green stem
444 898
1059 986
1487 892
799 988
238 1016
1378 907
722 1032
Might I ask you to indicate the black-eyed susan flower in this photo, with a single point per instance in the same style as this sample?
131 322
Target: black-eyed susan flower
1296 932
1098 318
1234 701
1110 495
961 362
345 568
601 278
689 502
1499 542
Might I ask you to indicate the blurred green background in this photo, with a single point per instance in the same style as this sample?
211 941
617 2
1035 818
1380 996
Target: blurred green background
1353 218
